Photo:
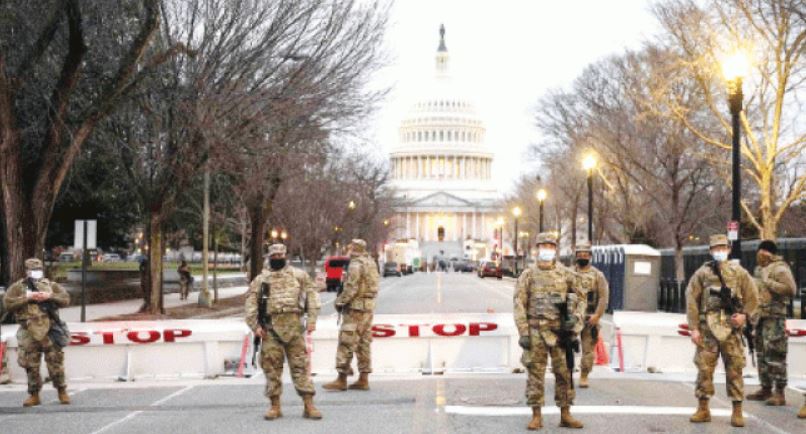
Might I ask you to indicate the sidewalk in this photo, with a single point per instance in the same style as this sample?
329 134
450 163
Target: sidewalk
95 311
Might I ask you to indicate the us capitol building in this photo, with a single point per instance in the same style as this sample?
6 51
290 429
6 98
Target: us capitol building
441 170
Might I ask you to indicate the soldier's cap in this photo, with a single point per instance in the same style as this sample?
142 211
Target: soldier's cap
718 240
769 246
33 264
547 238
359 244
584 246
277 249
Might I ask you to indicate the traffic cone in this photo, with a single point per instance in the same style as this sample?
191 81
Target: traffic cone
602 359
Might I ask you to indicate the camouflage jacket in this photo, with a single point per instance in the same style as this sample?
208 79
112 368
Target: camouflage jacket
29 314
537 292
776 287
292 294
593 284
361 285
702 299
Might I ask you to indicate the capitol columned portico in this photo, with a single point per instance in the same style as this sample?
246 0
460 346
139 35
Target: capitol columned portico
442 172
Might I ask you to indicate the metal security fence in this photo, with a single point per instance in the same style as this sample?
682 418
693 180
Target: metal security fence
672 296
610 260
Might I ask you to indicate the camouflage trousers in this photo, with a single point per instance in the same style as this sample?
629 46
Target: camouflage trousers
29 357
355 337
271 360
771 348
535 360
588 346
706 358
184 289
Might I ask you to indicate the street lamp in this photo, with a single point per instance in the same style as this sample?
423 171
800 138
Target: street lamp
283 236
589 163
500 224
273 234
351 205
517 213
735 67
541 197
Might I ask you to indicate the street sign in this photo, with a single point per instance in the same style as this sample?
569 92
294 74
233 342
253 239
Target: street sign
733 230
92 229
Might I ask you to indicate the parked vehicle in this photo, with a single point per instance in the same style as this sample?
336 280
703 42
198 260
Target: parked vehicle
111 257
490 269
334 272
392 269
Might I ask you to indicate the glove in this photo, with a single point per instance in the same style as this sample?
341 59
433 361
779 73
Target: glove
525 342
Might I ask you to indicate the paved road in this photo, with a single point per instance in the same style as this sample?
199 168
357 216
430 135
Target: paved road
435 404
438 293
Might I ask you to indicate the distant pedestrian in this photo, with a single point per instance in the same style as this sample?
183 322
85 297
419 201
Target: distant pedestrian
185 280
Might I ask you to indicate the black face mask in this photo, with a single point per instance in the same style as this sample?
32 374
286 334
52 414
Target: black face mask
583 262
276 264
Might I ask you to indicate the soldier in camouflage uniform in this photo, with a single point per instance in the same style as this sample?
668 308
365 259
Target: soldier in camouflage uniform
35 323
539 289
357 305
597 292
776 287
714 332
291 295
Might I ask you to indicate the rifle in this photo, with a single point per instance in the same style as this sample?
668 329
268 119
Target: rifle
59 334
566 340
731 305
263 320
594 329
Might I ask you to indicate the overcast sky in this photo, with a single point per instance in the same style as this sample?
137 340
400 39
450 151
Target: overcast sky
508 53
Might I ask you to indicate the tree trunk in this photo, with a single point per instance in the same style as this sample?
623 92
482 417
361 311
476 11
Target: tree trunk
155 261
256 242
215 268
679 265
20 236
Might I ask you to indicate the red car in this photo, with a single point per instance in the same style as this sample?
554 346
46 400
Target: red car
490 269
334 272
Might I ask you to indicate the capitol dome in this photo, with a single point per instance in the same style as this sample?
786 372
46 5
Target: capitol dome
442 169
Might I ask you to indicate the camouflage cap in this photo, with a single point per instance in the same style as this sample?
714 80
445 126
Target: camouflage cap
547 238
718 240
277 249
584 246
33 264
359 244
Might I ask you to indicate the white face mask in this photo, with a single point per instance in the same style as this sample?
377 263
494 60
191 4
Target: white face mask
36 274
720 256
546 255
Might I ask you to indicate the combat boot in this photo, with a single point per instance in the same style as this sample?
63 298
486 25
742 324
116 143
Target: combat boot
802 412
583 381
703 413
274 411
339 383
762 394
309 411
737 418
362 383
31 401
64 398
566 420
537 420
778 398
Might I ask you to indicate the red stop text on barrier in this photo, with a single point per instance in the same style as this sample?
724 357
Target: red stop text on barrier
442 330
109 337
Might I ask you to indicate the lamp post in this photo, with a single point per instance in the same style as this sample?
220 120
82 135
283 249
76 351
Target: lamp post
517 213
589 163
541 197
500 223
735 68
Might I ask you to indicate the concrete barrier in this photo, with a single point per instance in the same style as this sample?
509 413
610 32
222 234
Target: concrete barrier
202 348
651 342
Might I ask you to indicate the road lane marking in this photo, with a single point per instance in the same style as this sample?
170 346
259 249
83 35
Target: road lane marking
134 414
583 409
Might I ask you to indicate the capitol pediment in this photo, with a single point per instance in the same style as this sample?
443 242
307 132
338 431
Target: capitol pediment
441 199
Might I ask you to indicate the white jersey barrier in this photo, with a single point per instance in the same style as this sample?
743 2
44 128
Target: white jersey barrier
201 348
651 341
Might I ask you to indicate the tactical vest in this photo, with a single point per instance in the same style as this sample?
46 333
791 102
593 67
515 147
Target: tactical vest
711 309
284 291
547 288
771 305
587 284
368 283
32 317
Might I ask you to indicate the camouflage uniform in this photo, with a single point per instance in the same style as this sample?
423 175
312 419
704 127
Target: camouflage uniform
291 296
357 304
536 316
593 284
776 287
32 336
719 337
